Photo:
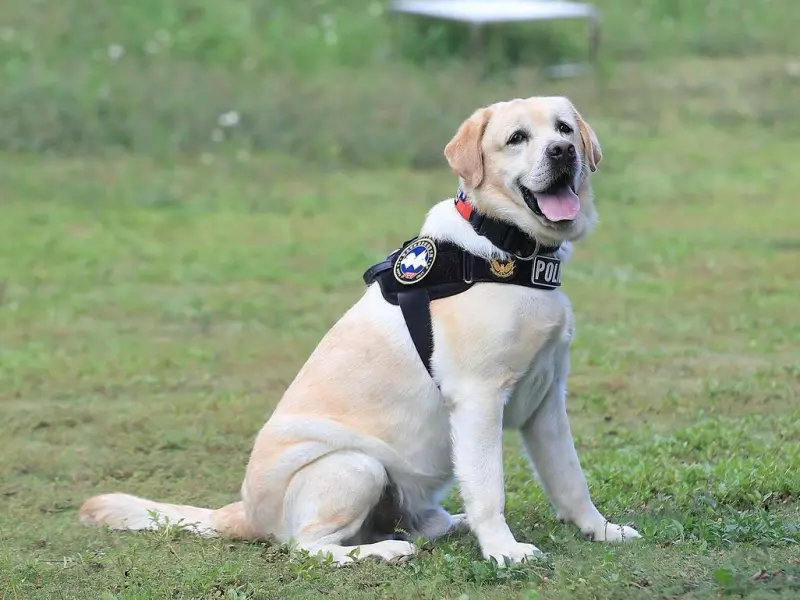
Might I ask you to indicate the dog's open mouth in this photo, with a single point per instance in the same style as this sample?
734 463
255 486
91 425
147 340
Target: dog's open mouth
558 204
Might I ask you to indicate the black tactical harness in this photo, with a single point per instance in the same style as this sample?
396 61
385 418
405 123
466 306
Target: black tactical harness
423 270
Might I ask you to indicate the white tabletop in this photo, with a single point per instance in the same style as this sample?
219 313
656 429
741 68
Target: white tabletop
497 11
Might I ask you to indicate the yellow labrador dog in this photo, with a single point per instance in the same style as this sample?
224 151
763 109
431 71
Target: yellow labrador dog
366 440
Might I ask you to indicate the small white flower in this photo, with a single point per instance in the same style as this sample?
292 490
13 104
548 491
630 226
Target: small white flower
115 51
163 37
228 119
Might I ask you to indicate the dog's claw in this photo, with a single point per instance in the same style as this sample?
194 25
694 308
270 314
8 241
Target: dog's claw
516 554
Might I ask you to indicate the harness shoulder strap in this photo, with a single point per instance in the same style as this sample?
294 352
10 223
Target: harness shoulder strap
415 305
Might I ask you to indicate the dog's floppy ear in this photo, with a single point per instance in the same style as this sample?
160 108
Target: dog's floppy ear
463 152
594 154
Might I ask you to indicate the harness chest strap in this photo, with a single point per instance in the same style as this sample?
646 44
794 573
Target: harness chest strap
424 270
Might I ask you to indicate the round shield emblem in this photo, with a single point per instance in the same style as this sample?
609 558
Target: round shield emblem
415 261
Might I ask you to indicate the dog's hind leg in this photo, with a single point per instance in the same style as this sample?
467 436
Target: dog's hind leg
328 504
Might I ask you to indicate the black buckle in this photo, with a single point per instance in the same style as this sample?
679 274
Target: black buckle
505 236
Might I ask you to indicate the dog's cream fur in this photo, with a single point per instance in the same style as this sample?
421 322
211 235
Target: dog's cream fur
363 421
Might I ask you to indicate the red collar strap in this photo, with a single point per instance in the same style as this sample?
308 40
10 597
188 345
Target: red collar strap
464 206
505 236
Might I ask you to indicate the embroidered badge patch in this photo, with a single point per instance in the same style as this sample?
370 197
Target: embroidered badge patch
546 271
502 269
415 261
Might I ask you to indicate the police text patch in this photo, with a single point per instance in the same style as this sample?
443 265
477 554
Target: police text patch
546 271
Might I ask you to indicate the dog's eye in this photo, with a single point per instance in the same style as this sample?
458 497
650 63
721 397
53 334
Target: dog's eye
517 137
563 128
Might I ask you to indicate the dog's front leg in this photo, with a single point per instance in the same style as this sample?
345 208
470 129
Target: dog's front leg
548 440
476 422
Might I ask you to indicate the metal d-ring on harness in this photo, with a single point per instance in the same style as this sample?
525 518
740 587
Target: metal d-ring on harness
423 270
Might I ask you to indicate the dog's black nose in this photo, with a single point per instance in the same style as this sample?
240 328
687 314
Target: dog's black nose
561 151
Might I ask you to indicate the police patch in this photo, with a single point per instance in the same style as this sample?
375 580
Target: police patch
415 261
546 272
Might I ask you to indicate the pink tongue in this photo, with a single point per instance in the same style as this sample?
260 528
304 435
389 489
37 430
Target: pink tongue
563 206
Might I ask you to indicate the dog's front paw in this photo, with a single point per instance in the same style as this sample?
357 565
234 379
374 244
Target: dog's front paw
610 532
515 553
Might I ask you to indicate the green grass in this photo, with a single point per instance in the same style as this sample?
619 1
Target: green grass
152 311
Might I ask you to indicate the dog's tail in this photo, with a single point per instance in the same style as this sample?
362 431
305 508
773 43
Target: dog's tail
126 512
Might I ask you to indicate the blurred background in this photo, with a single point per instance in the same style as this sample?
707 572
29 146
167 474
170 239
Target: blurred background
351 82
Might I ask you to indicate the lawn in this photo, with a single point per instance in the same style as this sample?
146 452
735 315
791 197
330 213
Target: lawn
153 310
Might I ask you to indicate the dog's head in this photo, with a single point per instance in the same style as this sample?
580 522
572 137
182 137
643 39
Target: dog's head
527 162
